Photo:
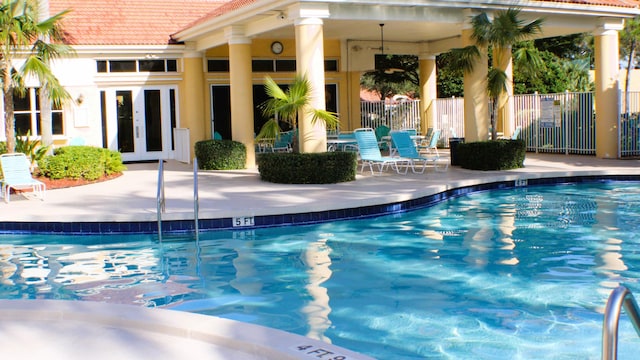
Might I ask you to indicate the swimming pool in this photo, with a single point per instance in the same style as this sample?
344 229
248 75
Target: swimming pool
510 274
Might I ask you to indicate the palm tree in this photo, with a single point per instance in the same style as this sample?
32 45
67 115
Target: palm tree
288 105
50 89
501 33
21 31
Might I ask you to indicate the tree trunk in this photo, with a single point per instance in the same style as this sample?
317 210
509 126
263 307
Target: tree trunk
494 131
9 120
632 51
46 131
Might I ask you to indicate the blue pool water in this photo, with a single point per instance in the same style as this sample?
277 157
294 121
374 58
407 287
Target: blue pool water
509 274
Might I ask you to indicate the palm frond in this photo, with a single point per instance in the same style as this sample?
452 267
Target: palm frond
329 118
496 82
270 130
481 25
465 58
528 60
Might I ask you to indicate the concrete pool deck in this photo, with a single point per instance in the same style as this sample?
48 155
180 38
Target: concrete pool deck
80 330
224 194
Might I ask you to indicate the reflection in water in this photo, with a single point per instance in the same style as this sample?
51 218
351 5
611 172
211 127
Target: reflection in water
521 273
317 310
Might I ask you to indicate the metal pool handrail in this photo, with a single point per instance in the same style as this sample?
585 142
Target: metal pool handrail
621 296
196 205
160 203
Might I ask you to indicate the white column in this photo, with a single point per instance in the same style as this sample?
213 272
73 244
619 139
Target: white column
310 63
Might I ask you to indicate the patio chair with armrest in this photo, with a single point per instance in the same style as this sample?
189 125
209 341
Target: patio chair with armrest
370 153
283 143
514 135
431 144
407 149
17 175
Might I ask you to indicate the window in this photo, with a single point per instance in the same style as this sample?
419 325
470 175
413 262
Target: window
268 65
262 66
27 114
216 65
146 65
285 65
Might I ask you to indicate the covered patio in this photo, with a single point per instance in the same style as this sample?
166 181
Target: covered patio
348 34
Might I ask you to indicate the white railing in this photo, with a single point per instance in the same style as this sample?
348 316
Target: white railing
449 119
396 115
630 125
557 123
561 123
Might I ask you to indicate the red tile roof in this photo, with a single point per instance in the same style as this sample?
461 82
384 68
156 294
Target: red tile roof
618 3
151 22
228 7
128 22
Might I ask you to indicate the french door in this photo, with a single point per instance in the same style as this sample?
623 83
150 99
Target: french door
141 121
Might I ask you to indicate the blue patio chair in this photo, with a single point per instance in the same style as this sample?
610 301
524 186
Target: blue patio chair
283 142
407 149
382 131
370 153
17 175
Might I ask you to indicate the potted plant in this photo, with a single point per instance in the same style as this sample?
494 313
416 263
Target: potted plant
287 106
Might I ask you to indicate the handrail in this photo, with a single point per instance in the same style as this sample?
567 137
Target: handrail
160 199
621 296
196 205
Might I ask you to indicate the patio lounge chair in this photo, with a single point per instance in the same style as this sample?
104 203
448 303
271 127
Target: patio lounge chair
16 175
370 153
283 143
514 135
407 149
430 144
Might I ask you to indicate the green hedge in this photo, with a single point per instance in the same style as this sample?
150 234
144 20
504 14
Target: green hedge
491 155
308 168
221 155
81 162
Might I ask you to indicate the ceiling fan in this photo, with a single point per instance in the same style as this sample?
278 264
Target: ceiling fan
381 61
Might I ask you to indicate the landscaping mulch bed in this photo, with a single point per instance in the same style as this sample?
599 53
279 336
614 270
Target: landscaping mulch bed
66 183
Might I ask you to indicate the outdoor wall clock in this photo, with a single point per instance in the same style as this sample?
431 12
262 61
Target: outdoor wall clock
277 47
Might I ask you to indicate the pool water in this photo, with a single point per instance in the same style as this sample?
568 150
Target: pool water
509 274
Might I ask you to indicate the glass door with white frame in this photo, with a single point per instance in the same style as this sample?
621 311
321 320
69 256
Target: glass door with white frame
141 121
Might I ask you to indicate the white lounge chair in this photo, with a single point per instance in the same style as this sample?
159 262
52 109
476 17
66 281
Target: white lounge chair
370 153
17 175
407 149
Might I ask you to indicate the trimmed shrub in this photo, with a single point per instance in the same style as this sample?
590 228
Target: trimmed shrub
308 168
81 162
221 155
3 147
492 155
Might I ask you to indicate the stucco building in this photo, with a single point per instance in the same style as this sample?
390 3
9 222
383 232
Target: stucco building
144 68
